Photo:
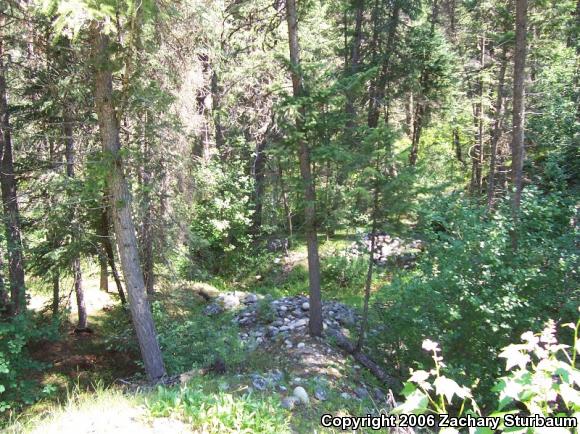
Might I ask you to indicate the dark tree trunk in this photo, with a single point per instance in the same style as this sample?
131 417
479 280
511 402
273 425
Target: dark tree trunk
9 198
258 171
107 244
104 271
378 87
76 262
285 202
519 109
477 159
497 129
369 278
121 206
146 227
315 324
354 62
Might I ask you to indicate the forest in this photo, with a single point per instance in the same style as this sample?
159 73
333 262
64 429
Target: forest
289 216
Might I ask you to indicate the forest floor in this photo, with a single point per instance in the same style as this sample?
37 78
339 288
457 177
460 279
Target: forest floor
100 388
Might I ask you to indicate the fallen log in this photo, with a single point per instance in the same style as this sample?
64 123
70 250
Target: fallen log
346 345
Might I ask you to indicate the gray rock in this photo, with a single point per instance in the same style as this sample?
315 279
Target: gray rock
259 382
301 345
290 402
250 298
345 395
301 394
301 322
213 309
320 394
305 306
229 301
361 392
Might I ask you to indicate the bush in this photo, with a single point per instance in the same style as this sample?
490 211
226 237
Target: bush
17 386
219 411
196 340
542 378
472 293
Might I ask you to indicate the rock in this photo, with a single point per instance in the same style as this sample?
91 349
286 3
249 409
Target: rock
301 345
320 394
276 375
229 301
301 394
213 309
290 402
345 395
361 392
305 306
301 322
251 298
283 308
259 382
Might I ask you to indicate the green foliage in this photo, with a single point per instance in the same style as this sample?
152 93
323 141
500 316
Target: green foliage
542 377
341 273
17 384
196 340
220 237
221 411
471 292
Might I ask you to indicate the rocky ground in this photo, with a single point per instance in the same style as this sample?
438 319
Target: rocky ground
281 327
386 248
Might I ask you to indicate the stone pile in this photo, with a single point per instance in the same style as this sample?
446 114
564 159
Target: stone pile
279 319
386 247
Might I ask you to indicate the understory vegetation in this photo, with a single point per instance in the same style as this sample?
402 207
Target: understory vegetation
237 216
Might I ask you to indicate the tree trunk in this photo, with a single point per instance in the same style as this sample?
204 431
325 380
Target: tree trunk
104 271
497 129
315 324
519 109
377 88
121 206
146 228
258 171
105 236
76 262
477 159
354 62
369 278
9 198
285 202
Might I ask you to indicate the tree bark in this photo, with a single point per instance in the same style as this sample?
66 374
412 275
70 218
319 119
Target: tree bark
354 62
258 171
105 236
497 129
369 278
285 202
377 88
477 159
104 271
519 109
315 324
121 206
76 262
9 198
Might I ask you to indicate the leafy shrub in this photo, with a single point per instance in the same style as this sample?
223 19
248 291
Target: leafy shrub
221 412
344 272
220 235
542 378
472 292
196 340
17 387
